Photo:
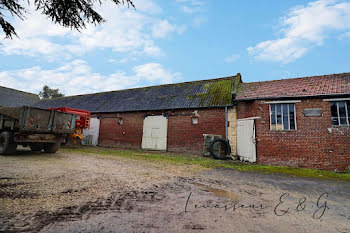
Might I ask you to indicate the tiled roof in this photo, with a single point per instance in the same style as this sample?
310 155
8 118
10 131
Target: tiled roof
205 93
14 98
326 85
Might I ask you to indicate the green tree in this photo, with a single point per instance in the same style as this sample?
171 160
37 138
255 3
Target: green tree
68 13
49 93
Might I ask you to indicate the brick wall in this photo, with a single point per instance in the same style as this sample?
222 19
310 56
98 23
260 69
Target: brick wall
183 136
311 145
125 135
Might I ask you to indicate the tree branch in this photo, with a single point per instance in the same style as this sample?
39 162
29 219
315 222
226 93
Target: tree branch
68 13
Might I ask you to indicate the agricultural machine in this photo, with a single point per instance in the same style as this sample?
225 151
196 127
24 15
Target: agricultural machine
82 122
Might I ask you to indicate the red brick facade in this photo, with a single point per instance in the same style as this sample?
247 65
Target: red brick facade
183 136
311 145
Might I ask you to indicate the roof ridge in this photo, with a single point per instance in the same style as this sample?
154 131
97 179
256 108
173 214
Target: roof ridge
137 88
25 92
305 77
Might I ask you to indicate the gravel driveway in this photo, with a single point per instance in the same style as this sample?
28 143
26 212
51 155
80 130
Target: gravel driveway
95 193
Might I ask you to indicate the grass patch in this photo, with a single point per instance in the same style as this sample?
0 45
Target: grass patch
205 162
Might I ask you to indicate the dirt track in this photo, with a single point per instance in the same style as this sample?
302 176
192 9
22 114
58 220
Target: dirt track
95 193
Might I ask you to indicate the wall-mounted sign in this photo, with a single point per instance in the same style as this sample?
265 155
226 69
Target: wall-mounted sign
312 112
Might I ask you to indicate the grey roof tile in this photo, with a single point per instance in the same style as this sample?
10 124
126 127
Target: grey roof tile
14 98
205 93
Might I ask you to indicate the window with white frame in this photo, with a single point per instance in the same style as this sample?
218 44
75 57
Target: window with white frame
282 116
340 113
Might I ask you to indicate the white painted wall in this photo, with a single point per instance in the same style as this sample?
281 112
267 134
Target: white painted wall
91 135
155 131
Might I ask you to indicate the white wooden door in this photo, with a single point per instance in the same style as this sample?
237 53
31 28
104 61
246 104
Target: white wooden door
246 147
155 132
91 134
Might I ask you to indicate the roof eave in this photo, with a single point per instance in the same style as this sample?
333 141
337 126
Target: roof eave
163 109
291 97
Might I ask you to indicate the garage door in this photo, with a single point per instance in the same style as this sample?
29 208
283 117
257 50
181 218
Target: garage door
155 130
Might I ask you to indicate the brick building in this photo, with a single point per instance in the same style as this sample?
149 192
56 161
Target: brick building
168 117
300 122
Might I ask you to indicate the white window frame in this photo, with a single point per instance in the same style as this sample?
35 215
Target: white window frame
282 102
295 115
335 100
346 112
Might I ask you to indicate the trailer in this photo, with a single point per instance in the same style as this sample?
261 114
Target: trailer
82 122
40 129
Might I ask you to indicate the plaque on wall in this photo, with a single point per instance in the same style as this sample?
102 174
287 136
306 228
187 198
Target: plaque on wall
312 112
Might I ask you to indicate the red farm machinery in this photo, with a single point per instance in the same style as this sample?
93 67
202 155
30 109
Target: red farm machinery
82 122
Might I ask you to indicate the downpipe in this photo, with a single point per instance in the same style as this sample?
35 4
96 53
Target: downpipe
226 124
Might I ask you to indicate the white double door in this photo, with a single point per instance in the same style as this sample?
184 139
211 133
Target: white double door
155 132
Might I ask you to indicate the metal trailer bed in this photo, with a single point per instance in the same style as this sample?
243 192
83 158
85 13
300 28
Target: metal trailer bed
38 128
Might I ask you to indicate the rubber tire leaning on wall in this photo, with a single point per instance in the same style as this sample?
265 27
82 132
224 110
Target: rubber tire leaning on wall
8 146
213 151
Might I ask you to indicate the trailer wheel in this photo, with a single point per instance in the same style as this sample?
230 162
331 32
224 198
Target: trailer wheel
65 141
51 147
7 145
36 147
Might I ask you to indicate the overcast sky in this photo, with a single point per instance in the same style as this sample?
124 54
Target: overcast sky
180 40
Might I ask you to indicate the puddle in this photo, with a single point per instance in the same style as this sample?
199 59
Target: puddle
219 192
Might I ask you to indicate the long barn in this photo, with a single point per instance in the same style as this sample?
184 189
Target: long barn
299 122
170 117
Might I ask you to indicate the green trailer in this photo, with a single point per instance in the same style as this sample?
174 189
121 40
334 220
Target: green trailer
40 129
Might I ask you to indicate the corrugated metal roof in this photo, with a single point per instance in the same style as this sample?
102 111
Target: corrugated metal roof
205 93
332 84
14 98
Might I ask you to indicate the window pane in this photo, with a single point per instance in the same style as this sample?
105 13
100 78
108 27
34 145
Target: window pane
273 115
291 116
285 117
279 125
334 113
343 121
335 121
342 113
348 105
